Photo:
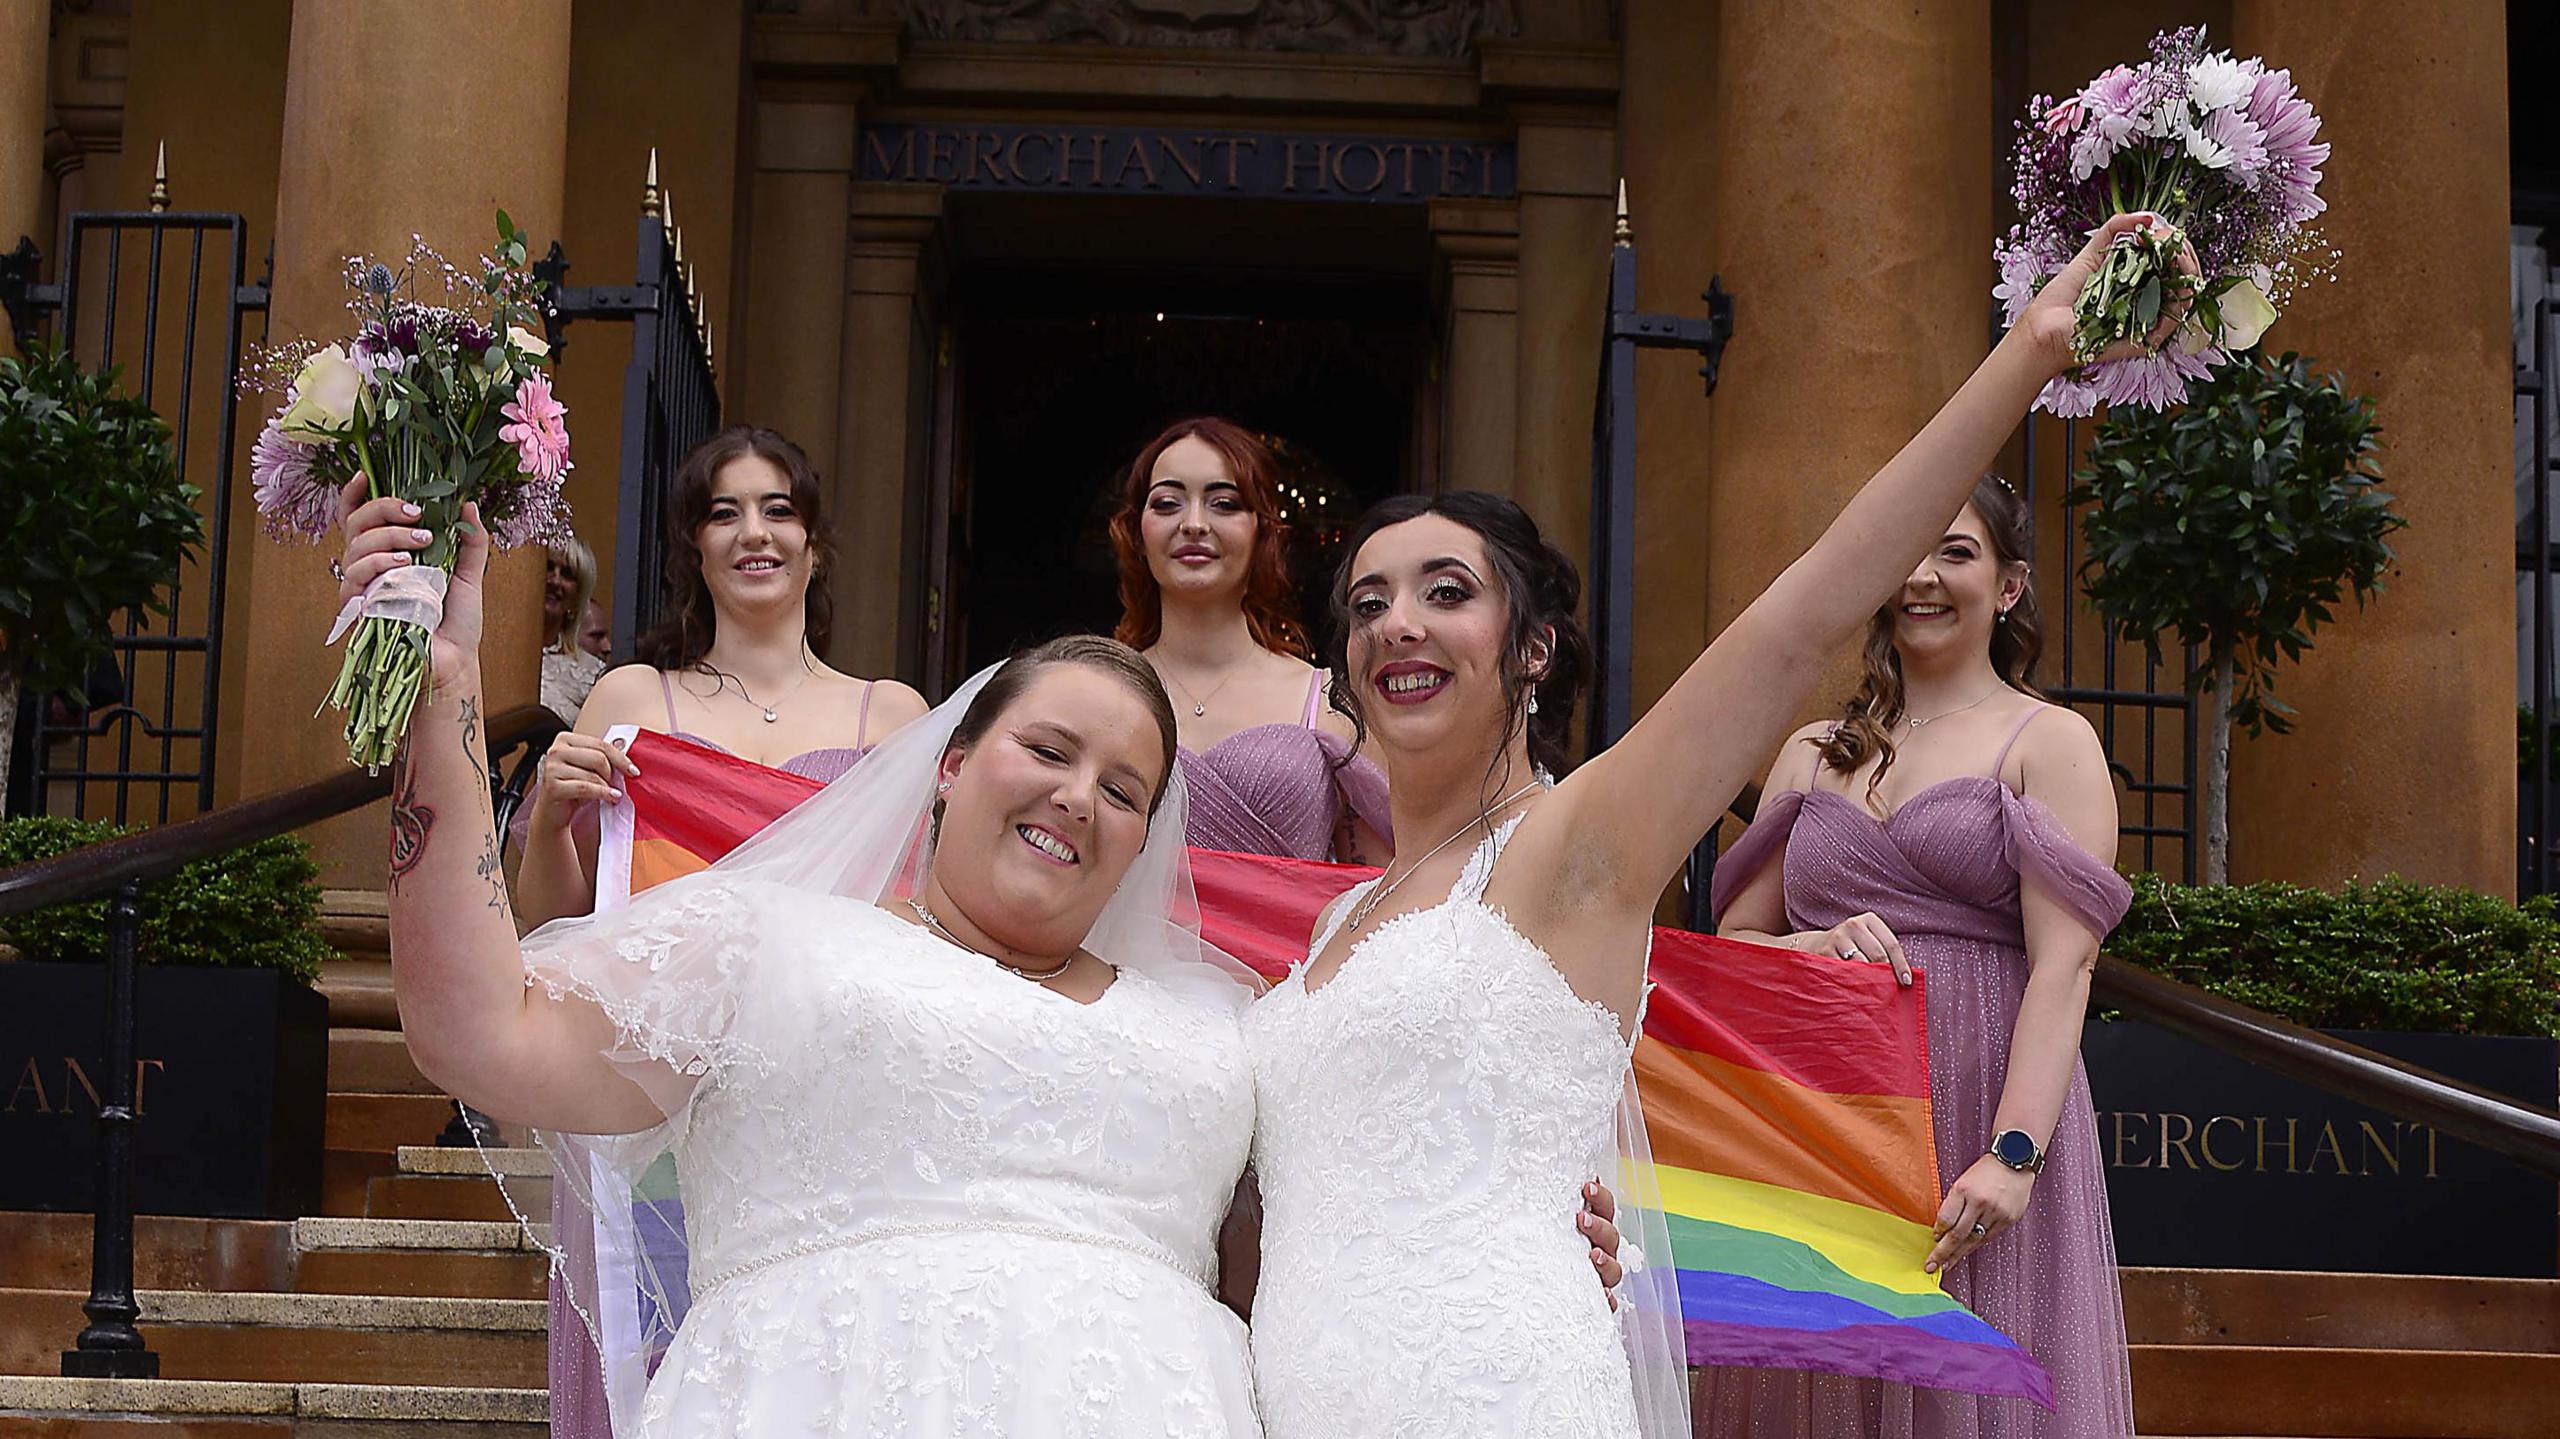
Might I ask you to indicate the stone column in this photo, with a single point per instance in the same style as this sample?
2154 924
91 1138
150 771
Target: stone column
2403 757
1568 181
397 120
22 71
891 349
1667 141
1852 204
1479 247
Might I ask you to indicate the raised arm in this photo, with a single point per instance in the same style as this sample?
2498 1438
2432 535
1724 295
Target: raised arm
1640 807
474 1027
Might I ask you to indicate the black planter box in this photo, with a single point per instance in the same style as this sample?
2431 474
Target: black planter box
2214 1163
233 1067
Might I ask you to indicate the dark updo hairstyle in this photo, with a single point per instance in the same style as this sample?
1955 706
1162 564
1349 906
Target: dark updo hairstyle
2017 641
1541 588
1099 651
1269 600
684 632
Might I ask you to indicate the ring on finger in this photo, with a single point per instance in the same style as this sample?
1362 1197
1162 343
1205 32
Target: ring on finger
1981 1230
337 571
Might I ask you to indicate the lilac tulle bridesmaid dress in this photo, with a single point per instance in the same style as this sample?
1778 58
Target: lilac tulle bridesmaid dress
1279 789
1943 872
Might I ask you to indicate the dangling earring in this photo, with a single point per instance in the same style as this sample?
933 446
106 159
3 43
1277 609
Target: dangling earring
1533 701
943 788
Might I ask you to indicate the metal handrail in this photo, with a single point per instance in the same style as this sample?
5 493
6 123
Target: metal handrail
111 1347
100 869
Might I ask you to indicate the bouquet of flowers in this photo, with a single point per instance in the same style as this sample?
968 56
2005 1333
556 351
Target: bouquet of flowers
2222 150
437 404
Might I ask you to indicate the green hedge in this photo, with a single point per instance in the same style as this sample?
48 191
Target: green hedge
255 907
2392 955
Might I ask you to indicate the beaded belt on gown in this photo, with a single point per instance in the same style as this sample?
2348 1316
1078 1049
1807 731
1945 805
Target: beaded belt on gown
915 1228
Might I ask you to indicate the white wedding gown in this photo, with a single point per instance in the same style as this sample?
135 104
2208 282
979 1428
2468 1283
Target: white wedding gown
926 1198
1426 1122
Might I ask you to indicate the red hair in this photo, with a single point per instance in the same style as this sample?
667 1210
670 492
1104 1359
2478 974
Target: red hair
1268 596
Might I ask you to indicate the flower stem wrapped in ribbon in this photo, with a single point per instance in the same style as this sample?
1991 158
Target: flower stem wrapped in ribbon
433 403
2223 151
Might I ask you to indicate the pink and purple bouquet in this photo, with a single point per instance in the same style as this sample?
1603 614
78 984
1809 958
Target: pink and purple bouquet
436 404
2222 150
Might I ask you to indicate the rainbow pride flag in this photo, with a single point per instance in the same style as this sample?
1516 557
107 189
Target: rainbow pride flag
1787 1096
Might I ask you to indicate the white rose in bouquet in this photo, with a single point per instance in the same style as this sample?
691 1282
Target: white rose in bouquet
324 397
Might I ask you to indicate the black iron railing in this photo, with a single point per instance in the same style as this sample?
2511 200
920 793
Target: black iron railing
139 740
670 394
2538 723
111 1347
1613 498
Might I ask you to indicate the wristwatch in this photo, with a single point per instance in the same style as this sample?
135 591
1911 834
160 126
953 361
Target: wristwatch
2013 1147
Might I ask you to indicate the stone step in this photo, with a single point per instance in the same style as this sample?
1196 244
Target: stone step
300 1338
346 1174
421 1257
46 1250
2225 1389
359 993
373 1061
57 1408
514 1162
2284 1309
438 1196
385 1123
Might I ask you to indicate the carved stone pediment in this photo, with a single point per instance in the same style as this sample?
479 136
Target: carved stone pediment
1446 29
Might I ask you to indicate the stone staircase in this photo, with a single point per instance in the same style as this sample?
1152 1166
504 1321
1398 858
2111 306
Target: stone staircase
412 1308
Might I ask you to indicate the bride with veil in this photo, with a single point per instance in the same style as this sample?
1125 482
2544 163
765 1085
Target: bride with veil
957 1095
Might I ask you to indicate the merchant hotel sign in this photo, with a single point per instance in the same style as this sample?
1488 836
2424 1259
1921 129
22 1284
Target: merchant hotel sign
1227 164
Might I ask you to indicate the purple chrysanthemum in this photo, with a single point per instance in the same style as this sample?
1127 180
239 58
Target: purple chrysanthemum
2287 123
293 501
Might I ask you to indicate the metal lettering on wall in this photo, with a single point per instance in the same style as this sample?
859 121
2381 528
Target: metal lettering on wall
2211 1162
1121 160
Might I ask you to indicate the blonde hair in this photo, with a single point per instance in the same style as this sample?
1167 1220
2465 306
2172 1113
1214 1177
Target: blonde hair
580 562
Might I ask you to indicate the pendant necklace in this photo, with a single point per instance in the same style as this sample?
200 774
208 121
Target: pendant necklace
1959 709
1369 906
1199 706
938 927
772 712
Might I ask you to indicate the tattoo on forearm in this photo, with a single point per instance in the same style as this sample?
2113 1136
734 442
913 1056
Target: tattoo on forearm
411 822
471 727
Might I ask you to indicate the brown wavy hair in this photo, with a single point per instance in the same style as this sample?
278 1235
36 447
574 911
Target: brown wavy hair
2017 641
687 625
1270 600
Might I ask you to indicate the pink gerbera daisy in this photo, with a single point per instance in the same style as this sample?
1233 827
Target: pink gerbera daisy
540 434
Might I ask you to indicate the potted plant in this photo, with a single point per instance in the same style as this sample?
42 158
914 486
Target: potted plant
94 523
2212 1162
232 1037
2237 522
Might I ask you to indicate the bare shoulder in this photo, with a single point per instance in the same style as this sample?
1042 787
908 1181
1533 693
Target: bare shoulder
625 694
2057 746
894 703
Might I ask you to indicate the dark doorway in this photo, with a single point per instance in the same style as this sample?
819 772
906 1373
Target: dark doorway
1066 372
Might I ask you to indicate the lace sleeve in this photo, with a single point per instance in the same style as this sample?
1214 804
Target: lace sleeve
668 970
1761 843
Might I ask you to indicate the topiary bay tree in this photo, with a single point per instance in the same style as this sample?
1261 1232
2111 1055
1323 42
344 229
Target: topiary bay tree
2238 523
94 523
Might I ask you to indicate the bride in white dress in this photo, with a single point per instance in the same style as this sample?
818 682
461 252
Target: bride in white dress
1453 1050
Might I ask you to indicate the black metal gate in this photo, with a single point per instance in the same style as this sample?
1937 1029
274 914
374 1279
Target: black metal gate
140 741
2538 717
670 395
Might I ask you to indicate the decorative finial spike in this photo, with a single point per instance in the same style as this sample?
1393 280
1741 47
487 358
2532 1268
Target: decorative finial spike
160 180
1626 234
649 201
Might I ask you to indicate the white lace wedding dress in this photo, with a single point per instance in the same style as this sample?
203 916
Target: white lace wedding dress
1426 1122
927 1198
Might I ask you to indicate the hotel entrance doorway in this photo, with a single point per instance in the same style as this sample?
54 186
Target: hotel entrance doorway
1062 374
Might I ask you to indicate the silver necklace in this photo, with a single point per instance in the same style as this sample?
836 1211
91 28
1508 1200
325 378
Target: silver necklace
1199 706
938 927
1368 906
772 713
1959 709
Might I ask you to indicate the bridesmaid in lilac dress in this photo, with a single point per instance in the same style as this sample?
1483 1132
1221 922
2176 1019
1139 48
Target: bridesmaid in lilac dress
1205 595
1953 823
